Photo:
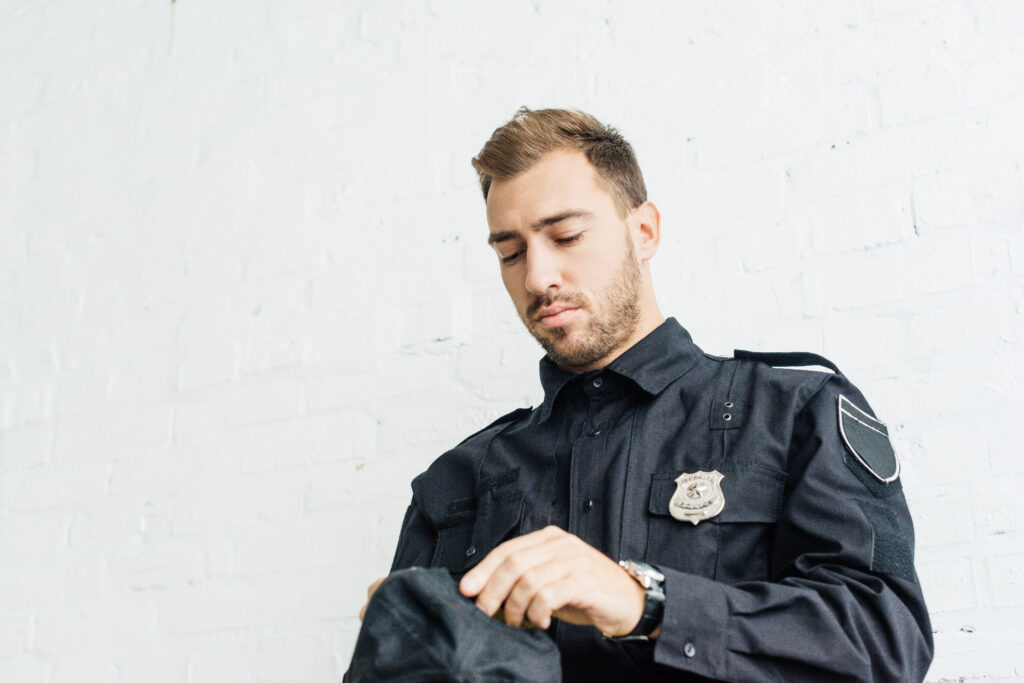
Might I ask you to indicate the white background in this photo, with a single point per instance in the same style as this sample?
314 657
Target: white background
245 294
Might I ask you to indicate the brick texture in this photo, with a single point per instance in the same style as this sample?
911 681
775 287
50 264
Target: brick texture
244 295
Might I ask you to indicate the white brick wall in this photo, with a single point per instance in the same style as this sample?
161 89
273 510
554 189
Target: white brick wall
244 296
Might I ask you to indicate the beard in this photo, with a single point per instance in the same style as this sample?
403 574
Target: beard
608 328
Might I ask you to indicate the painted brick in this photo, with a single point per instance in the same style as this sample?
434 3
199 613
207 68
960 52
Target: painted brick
237 405
33 585
25 669
948 590
155 566
35 535
107 434
54 486
245 295
304 544
229 662
152 666
95 628
15 635
306 658
26 447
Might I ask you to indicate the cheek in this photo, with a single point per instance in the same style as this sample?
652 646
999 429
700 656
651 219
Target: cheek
509 281
592 281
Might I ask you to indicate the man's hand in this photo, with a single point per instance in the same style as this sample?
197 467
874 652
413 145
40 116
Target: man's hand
369 594
551 573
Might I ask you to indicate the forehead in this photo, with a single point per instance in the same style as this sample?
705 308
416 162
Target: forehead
560 180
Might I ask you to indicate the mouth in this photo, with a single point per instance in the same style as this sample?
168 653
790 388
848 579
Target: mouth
556 316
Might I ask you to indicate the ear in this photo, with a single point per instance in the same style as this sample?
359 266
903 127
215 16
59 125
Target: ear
645 224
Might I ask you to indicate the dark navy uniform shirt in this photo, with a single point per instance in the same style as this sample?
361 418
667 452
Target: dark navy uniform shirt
806 574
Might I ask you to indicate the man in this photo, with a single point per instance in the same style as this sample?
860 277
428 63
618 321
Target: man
756 509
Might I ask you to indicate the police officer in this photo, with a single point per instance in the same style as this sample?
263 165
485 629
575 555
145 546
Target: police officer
665 514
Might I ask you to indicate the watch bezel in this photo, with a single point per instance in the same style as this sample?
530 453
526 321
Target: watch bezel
645 574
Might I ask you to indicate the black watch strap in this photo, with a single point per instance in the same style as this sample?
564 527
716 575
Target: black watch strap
652 580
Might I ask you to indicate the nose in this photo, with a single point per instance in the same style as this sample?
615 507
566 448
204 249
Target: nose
543 271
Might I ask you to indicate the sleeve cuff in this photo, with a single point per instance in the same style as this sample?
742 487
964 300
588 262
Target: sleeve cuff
693 631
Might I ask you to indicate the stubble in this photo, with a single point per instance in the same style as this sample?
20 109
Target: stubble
607 330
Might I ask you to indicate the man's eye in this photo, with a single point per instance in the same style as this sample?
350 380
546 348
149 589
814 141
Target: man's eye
510 258
570 239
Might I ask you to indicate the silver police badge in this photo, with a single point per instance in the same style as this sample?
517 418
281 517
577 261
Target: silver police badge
698 497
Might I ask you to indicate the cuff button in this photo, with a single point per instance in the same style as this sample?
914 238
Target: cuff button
689 650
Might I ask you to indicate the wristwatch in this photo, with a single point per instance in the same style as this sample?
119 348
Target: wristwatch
653 581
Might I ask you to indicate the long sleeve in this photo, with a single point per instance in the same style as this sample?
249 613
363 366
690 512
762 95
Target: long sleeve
416 540
843 603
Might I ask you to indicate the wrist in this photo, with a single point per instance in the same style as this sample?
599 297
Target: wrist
652 581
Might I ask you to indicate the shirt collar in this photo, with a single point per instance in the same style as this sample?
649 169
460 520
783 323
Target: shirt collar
653 363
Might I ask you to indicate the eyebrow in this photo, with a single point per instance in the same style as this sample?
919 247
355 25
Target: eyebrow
538 225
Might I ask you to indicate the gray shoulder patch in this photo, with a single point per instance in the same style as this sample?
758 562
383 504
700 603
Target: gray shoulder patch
867 439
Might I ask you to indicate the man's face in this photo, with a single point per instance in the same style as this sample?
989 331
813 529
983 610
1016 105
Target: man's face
567 260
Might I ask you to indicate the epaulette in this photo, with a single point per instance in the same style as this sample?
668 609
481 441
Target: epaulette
790 359
509 417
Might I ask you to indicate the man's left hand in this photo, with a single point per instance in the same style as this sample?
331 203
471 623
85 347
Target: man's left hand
551 573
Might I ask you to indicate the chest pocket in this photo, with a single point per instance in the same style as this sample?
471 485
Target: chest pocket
734 545
475 526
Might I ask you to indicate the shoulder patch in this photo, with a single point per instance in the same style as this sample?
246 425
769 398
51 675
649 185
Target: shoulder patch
793 359
867 439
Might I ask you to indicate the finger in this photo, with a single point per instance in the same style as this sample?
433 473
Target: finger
551 598
372 588
532 582
476 578
507 574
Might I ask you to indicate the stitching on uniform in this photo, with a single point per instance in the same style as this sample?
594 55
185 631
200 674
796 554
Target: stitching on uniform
497 480
863 413
857 419
461 505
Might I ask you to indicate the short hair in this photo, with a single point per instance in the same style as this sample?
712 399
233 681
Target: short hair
519 144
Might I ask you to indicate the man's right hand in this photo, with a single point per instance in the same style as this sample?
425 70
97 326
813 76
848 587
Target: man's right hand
369 594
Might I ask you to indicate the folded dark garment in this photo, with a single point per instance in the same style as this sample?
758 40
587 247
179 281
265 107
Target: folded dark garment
418 627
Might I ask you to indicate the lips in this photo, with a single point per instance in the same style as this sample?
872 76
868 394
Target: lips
555 316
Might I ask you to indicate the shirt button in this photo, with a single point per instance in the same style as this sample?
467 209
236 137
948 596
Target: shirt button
595 432
587 504
689 650
470 551
598 381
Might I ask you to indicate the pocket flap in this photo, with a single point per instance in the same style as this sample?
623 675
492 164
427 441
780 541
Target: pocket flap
494 523
751 494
